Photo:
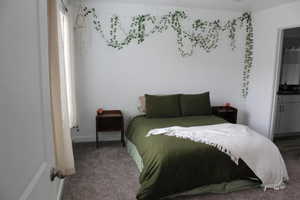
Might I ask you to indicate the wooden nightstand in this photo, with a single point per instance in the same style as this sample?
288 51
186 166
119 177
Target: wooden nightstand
110 120
227 113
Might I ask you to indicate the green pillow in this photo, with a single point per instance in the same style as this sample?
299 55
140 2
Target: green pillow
195 104
162 106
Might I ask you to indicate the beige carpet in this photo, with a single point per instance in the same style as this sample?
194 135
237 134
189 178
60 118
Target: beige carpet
109 173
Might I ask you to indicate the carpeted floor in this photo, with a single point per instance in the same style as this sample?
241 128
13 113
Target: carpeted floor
108 173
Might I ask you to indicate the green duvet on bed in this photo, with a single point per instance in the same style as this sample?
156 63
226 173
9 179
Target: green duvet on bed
173 165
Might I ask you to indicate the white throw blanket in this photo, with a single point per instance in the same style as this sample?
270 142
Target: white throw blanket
239 142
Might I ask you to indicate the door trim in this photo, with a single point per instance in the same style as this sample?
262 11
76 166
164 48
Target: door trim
276 83
34 181
42 7
60 189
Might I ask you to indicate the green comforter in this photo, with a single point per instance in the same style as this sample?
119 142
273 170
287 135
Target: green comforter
173 165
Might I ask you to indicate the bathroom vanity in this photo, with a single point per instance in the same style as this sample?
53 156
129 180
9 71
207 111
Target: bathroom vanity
288 115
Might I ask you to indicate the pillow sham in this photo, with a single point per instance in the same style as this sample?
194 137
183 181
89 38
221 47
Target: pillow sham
162 106
195 104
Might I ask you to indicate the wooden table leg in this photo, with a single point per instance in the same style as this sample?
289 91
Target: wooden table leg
122 139
122 135
97 140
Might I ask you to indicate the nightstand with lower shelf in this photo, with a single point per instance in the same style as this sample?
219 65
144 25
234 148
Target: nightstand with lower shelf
110 120
226 112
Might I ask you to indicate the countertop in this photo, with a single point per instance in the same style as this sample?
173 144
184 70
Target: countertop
297 92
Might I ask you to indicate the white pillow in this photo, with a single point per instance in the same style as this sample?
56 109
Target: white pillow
142 104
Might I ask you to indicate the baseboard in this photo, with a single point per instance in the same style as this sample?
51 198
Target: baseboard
80 139
92 138
60 189
29 190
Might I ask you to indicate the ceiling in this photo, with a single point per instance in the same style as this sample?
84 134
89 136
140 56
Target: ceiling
236 5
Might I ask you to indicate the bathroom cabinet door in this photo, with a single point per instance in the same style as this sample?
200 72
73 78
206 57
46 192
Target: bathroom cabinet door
288 118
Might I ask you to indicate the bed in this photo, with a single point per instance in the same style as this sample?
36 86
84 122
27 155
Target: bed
171 166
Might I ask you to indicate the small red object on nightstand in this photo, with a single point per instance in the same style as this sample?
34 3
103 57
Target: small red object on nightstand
100 111
227 105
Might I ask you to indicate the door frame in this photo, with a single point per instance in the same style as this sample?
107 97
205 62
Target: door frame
277 71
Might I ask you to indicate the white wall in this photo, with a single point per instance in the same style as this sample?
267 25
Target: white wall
266 27
114 79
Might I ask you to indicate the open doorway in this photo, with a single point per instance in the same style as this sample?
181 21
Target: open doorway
286 108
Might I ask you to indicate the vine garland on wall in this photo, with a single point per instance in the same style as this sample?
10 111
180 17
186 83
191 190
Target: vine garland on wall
204 34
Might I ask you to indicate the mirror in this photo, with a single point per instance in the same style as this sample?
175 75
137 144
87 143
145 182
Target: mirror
290 70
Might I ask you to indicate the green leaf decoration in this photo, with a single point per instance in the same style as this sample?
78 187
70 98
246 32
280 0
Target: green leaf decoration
204 34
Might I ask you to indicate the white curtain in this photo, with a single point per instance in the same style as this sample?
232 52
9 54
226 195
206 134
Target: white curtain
67 63
61 88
